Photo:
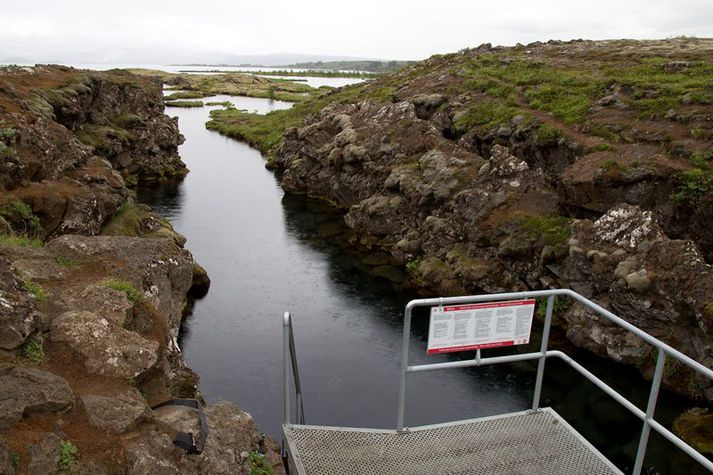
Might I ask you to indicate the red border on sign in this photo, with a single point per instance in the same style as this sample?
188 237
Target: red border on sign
512 303
453 349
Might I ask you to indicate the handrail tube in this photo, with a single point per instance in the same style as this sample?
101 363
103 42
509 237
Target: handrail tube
598 383
481 362
675 440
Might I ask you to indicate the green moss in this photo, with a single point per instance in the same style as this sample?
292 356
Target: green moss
612 166
67 455
132 293
184 103
708 311
127 121
604 147
101 136
33 351
125 222
36 290
552 230
21 241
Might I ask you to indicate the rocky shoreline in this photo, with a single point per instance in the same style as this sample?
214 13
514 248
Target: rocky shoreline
94 286
471 192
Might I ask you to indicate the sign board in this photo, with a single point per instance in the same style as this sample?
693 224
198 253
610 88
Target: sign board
482 325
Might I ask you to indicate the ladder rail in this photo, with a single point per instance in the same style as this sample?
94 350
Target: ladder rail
290 370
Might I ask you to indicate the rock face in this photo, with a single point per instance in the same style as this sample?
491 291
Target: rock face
18 317
24 390
473 190
93 286
73 141
118 413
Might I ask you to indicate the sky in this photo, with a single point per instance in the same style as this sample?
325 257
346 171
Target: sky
164 32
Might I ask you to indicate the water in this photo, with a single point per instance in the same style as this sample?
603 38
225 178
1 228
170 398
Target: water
266 253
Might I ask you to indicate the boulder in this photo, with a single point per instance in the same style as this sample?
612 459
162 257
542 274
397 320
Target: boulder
18 312
26 390
109 349
43 456
118 413
7 465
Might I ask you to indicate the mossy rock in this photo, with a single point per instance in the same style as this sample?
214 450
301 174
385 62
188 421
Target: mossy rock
695 426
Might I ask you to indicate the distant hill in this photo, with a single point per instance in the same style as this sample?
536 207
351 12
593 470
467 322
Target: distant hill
373 66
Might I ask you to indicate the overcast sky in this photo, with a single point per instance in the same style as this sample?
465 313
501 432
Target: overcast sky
149 31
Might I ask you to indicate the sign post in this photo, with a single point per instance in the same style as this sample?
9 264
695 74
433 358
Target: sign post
477 326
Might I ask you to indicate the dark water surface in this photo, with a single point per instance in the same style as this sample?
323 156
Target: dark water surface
266 253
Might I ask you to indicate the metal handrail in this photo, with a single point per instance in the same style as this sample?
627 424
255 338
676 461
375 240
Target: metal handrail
290 359
647 417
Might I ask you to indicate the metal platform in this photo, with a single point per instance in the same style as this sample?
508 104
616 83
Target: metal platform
531 442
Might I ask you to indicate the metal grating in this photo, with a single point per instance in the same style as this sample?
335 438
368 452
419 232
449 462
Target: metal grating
522 443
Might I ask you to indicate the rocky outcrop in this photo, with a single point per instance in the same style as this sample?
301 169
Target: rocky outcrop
93 285
473 182
72 142
26 390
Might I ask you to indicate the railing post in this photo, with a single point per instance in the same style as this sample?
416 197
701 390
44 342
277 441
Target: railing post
650 409
285 374
543 350
404 367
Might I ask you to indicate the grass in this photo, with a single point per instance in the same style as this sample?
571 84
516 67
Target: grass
184 95
67 261
126 121
67 455
486 115
20 241
413 265
125 222
559 306
552 230
258 464
33 351
36 290
702 159
226 104
18 213
694 184
101 136
15 460
184 103
547 135
132 293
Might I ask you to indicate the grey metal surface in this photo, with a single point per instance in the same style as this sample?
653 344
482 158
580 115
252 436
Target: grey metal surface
522 443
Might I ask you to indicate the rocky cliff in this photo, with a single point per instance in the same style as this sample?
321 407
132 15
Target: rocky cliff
584 164
94 286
